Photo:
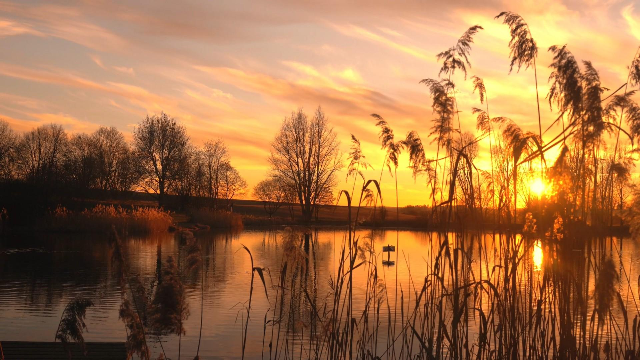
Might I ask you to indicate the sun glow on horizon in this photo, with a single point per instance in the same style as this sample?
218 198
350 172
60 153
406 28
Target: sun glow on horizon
538 187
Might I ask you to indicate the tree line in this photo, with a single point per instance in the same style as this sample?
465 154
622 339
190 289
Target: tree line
161 159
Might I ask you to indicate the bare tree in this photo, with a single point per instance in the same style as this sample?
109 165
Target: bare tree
40 154
80 163
215 155
8 143
115 164
326 198
272 193
161 145
190 177
305 154
231 183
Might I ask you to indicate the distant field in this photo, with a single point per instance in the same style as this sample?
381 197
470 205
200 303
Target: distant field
254 209
24 202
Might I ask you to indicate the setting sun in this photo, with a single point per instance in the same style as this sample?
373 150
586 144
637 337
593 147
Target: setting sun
538 187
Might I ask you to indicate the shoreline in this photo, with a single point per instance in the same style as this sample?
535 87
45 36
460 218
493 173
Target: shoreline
617 230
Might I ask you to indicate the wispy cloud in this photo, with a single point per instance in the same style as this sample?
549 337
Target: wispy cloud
412 50
124 69
96 59
64 22
13 28
318 90
69 123
632 20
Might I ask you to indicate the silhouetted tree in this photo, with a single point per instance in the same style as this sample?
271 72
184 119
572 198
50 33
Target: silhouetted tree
215 157
191 175
161 146
272 193
80 162
8 144
115 161
305 153
231 183
41 154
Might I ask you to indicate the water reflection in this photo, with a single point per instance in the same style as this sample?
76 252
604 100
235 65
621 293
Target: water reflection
538 256
39 276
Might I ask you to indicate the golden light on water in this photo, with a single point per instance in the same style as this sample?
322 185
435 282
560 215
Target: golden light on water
538 187
538 256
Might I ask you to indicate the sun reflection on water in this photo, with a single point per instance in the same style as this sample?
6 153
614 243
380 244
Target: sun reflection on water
537 256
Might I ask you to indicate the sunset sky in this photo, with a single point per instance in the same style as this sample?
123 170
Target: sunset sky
235 69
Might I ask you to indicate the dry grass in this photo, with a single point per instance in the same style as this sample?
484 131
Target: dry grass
100 219
217 218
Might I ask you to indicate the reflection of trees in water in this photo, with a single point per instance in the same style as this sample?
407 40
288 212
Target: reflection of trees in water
217 258
294 257
566 305
300 278
296 285
45 272
146 255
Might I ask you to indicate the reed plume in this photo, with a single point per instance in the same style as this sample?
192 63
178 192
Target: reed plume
72 326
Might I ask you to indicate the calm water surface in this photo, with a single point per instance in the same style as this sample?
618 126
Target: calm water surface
38 277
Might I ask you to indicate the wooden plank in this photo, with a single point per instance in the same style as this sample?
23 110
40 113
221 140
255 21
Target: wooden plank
56 351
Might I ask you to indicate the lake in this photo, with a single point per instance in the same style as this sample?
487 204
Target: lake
39 276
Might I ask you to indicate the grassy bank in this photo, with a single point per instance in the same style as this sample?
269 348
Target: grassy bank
101 218
216 219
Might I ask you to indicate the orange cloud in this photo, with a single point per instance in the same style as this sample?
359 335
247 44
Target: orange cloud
632 22
12 28
348 100
66 23
96 59
357 31
69 123
124 69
